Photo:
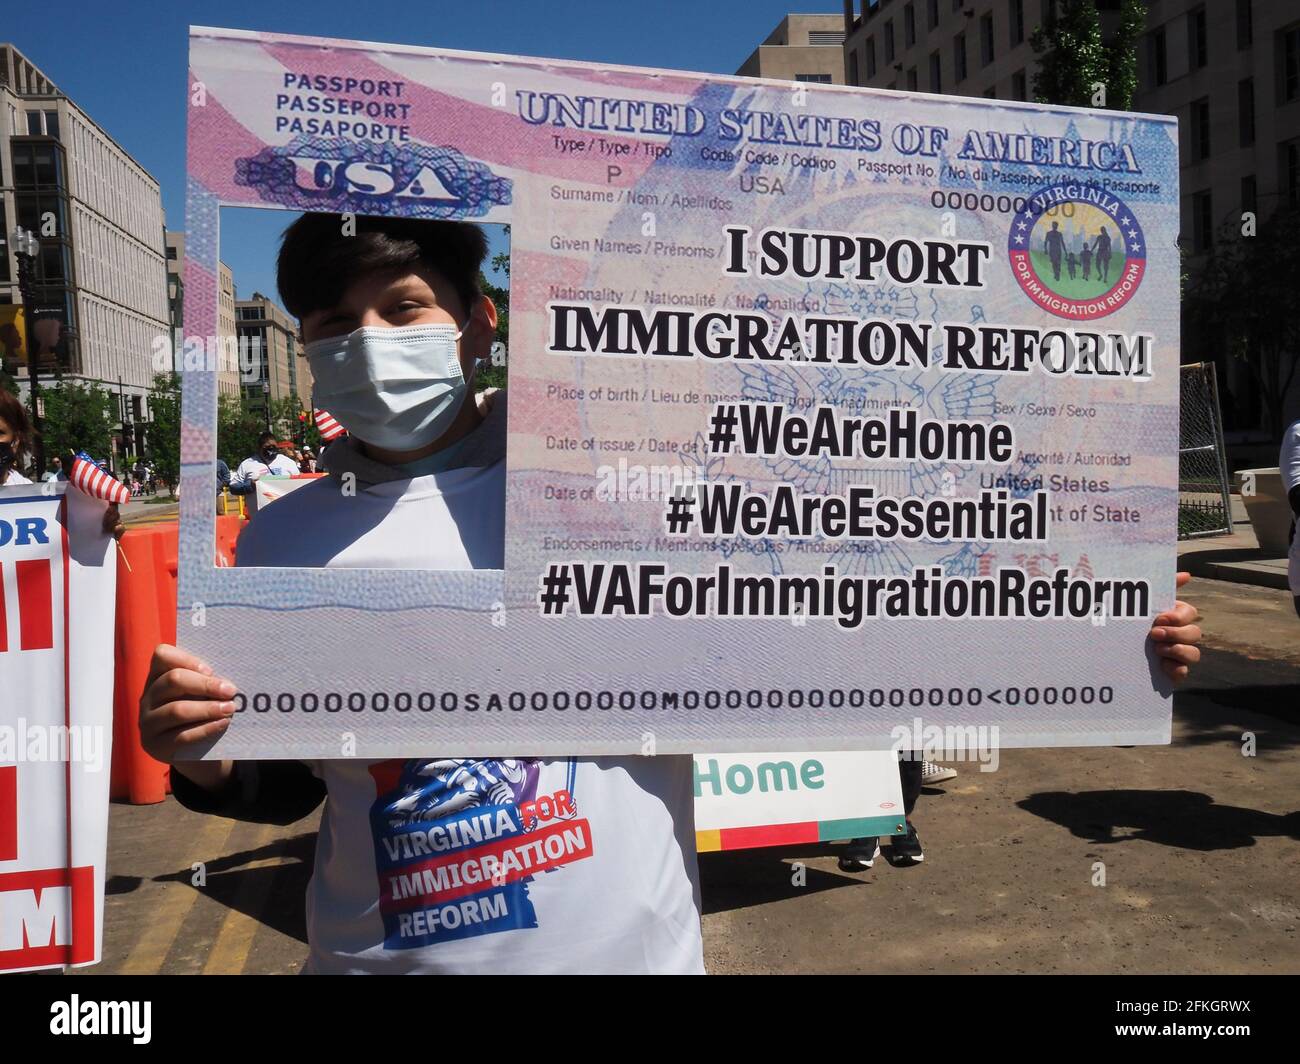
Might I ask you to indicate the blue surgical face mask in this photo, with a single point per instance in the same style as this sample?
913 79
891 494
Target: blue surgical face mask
399 389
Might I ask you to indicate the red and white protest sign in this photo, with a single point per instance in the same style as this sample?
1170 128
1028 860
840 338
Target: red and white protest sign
57 584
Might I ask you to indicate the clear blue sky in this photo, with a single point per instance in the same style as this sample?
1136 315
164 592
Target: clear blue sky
124 61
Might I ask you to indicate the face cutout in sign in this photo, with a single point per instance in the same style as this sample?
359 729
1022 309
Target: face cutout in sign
801 443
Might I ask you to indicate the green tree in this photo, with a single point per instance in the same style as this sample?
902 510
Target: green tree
494 376
238 427
165 428
1246 298
1073 61
284 417
78 417
1121 56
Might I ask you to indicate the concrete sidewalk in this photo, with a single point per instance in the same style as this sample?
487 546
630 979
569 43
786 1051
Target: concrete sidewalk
1236 557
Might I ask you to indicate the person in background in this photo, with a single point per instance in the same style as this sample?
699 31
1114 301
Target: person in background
223 484
55 472
15 439
16 436
267 462
308 463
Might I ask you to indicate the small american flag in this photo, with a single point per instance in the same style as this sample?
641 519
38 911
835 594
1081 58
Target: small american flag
93 481
328 428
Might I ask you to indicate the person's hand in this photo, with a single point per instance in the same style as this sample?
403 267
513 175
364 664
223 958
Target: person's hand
183 704
1175 635
113 522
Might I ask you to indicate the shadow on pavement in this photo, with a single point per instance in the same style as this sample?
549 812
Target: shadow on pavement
1188 820
273 895
740 879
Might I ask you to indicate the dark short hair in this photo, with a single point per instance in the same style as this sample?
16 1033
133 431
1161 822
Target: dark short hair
14 414
318 262
264 437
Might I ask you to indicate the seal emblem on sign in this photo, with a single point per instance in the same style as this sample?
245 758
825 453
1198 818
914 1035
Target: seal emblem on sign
1077 251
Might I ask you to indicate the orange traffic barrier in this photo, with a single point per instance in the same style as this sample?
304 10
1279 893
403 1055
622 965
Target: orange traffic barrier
228 529
146 616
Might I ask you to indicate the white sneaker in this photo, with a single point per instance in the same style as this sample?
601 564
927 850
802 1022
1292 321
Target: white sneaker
932 774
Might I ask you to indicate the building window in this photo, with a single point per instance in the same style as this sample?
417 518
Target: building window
1019 86
1017 17
936 77
932 13
33 123
1202 222
53 267
1289 176
1290 64
871 58
817 79
959 58
1200 128
52 124
912 83
1245 25
1157 56
889 41
909 26
1248 198
1197 45
37 164
986 39
1246 111
853 68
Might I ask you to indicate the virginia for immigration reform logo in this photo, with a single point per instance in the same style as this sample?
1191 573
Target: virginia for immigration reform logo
367 177
1077 251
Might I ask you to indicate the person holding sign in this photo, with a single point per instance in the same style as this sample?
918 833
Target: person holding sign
451 865
267 462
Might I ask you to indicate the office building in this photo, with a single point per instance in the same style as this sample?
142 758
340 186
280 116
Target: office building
268 332
100 282
801 48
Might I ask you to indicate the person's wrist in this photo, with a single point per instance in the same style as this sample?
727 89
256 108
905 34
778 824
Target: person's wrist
210 775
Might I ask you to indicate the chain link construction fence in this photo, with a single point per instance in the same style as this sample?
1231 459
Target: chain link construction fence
1204 508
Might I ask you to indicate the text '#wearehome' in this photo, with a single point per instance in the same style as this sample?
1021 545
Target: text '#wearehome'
812 426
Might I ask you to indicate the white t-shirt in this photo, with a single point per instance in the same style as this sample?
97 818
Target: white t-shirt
14 478
452 520
464 865
1289 462
280 466
253 469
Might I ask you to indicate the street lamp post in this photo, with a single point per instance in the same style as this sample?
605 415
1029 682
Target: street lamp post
26 248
